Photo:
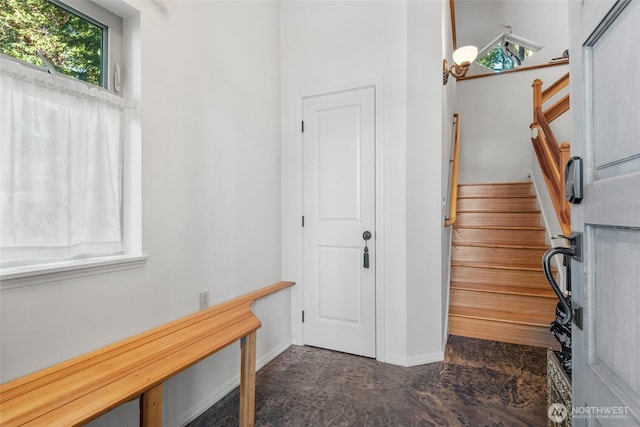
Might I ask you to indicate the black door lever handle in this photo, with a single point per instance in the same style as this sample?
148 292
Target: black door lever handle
366 236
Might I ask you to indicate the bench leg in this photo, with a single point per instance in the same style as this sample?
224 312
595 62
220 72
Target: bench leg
248 380
151 407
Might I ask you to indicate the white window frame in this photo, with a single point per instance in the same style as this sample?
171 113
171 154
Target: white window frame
114 26
124 49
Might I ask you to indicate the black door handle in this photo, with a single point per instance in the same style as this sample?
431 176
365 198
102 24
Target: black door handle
366 236
546 266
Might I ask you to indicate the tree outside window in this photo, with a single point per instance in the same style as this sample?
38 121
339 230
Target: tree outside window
72 43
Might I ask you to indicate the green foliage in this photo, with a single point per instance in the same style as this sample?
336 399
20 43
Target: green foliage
72 44
496 60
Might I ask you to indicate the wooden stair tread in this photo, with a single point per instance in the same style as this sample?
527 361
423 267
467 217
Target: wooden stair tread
502 289
540 319
514 333
499 196
507 189
483 184
491 276
497 245
498 219
481 264
516 211
535 238
497 227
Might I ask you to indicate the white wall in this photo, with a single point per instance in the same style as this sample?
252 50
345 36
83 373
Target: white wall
427 145
211 205
495 112
448 109
337 45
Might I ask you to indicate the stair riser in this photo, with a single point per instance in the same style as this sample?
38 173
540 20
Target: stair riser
516 204
502 302
521 258
497 219
501 190
498 237
537 336
493 276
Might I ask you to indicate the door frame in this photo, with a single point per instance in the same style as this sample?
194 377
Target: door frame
297 295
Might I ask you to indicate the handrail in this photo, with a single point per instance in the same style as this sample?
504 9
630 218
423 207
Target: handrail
80 389
557 109
555 87
454 179
552 156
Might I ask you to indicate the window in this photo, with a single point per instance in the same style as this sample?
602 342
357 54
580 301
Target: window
84 44
64 142
35 29
506 52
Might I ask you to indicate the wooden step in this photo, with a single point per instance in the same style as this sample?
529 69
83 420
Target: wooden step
499 204
508 189
532 319
535 336
503 301
531 291
497 257
498 236
517 328
501 219
500 245
505 277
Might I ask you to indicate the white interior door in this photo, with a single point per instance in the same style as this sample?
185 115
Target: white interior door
605 102
339 206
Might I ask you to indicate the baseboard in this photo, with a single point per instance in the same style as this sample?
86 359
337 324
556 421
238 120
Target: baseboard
418 359
209 400
423 359
395 359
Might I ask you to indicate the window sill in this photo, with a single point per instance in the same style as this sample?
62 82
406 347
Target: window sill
15 277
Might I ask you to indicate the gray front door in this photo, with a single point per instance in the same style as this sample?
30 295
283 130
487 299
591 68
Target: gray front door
605 106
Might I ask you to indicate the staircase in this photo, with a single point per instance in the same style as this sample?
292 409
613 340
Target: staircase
498 289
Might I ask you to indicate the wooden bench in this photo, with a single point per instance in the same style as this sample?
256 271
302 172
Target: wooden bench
83 388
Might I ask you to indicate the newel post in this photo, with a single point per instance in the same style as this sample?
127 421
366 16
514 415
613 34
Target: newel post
537 100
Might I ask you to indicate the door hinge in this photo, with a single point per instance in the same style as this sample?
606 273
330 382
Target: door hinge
302 316
303 221
302 127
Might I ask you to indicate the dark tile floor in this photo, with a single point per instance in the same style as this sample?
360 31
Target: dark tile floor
480 383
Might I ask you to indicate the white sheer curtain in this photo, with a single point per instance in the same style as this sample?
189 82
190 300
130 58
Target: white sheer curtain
61 167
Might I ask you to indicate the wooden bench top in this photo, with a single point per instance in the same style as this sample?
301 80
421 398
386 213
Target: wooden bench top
81 389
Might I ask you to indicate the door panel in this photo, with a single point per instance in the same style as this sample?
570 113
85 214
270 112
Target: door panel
613 93
606 370
338 152
339 205
338 290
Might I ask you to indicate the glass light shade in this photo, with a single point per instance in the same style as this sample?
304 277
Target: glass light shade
465 54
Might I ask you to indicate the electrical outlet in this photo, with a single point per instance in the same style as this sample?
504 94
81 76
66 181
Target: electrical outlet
204 300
